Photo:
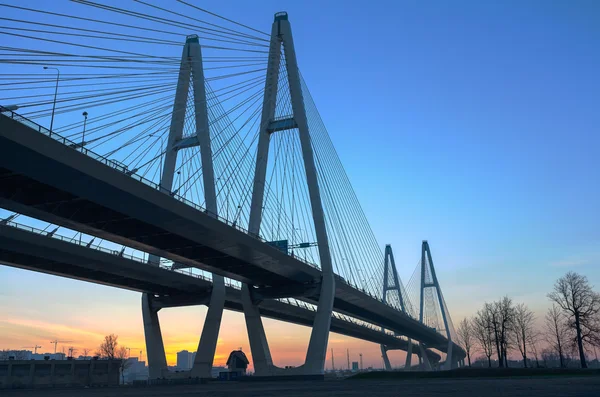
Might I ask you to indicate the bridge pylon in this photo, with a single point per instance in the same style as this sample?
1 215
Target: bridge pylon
430 280
190 73
391 283
282 42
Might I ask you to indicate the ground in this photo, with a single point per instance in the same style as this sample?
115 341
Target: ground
588 386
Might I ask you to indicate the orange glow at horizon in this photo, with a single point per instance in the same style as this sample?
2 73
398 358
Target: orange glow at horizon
80 315
181 329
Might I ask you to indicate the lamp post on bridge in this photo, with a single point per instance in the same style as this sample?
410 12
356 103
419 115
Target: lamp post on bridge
55 93
85 115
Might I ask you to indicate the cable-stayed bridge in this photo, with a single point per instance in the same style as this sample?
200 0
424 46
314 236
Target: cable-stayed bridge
215 161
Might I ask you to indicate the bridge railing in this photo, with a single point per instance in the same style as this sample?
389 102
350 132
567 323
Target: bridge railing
74 240
131 173
339 316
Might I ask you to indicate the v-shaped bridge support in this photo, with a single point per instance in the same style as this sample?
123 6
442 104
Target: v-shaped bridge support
427 268
281 39
391 284
190 71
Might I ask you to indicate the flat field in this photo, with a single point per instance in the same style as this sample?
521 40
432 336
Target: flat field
586 386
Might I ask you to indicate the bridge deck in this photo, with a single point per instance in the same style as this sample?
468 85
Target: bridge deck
47 179
57 256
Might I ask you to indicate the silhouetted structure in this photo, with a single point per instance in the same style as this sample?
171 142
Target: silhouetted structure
237 362
58 373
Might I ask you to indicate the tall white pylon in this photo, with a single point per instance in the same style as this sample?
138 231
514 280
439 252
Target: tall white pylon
281 36
427 266
190 70
390 264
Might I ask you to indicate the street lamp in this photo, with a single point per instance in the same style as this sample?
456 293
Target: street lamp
55 92
85 114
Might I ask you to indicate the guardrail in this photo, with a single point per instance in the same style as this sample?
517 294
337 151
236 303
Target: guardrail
74 240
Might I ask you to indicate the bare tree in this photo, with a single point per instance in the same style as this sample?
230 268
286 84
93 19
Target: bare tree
492 318
501 314
466 337
581 304
121 354
483 333
522 329
85 351
108 348
556 332
533 345
72 351
548 356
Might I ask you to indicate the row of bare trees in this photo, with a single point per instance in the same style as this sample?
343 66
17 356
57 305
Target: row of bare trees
571 324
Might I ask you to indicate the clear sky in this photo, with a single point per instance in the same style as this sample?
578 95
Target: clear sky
472 124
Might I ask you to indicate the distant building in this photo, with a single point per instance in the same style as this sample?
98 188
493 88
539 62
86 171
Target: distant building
29 355
48 356
354 365
185 360
15 355
135 370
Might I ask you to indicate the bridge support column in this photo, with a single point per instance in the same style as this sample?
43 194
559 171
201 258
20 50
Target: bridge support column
390 267
281 36
191 70
207 345
210 332
409 353
424 359
155 349
425 250
428 268
259 346
449 364
386 360
319 337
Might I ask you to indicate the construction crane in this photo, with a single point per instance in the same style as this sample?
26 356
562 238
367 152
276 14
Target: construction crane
332 362
361 366
129 352
56 342
32 347
348 355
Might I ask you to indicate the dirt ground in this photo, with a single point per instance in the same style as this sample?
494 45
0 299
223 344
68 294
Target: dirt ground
531 387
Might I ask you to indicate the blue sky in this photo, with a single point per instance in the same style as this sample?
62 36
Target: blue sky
472 124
